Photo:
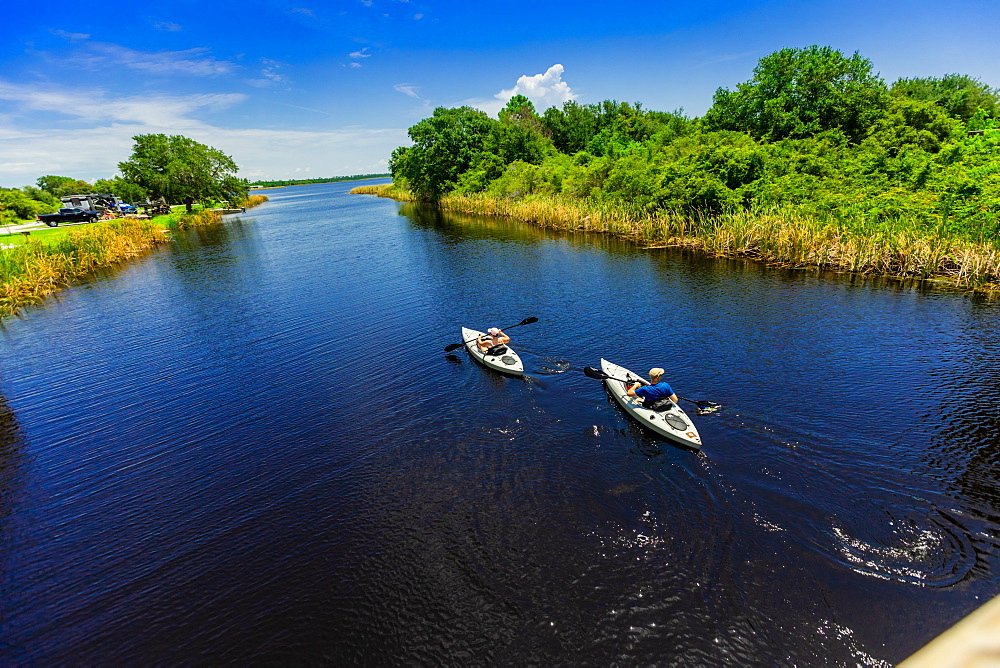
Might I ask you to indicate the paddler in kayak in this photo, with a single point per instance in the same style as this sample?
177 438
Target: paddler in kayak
493 342
657 394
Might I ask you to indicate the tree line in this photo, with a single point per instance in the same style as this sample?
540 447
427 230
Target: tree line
331 179
172 167
814 131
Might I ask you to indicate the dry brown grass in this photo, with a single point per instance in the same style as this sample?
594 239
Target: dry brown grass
253 200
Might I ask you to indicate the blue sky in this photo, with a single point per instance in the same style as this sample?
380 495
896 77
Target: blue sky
301 88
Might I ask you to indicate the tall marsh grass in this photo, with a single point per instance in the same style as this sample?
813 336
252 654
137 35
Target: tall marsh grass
35 269
251 201
777 237
185 221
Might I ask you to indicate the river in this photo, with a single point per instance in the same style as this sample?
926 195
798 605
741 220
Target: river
250 447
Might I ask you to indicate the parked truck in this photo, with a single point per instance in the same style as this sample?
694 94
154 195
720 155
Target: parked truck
72 215
84 209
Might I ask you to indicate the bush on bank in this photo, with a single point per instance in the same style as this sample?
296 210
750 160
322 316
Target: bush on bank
815 160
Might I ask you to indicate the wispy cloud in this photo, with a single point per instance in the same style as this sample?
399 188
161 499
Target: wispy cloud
194 62
71 36
269 74
167 26
356 56
407 89
164 111
302 10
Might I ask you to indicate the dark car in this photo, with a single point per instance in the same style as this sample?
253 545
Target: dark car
74 215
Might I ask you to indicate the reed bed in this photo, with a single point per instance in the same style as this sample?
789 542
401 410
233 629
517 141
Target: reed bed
251 201
35 269
385 190
185 221
776 237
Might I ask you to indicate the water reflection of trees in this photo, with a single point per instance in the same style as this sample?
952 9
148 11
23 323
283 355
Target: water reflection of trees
455 225
11 459
233 249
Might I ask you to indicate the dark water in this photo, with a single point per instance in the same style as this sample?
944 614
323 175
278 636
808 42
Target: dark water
250 448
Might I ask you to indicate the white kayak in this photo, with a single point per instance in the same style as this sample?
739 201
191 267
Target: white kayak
671 423
507 362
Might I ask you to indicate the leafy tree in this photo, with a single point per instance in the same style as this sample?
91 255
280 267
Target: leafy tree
444 146
912 123
960 96
126 190
60 186
520 134
18 204
800 93
180 169
43 196
570 127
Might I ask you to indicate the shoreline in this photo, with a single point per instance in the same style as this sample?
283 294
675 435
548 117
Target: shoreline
292 185
774 238
32 271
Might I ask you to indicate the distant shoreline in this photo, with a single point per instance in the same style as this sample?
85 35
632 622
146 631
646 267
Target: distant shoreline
311 182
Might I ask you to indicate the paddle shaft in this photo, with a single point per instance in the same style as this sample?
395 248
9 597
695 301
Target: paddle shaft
597 374
456 346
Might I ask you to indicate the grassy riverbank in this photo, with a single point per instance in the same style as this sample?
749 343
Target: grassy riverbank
775 237
55 258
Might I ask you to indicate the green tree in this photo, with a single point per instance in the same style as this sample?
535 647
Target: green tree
16 204
60 186
800 93
961 96
570 127
444 146
520 134
182 170
126 190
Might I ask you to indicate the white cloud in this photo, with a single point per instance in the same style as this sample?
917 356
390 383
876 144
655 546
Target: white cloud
167 26
94 152
302 10
360 54
544 90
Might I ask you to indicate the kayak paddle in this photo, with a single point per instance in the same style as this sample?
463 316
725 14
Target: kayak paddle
456 346
704 407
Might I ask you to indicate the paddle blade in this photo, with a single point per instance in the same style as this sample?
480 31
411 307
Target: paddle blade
528 321
453 346
594 373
